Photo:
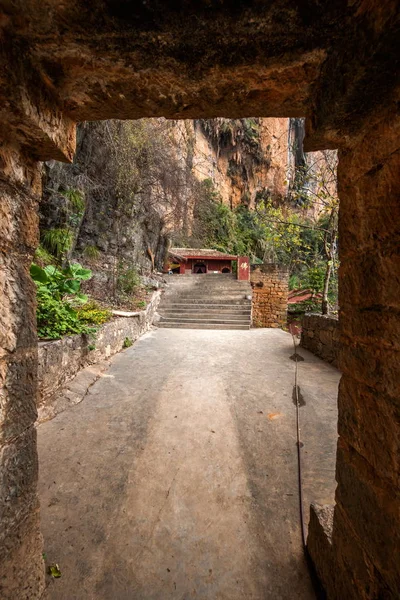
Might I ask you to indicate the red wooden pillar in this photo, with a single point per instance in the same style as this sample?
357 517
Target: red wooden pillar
243 268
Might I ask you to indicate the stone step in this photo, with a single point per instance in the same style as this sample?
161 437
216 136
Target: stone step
211 321
178 325
235 309
222 295
207 281
209 301
208 290
204 315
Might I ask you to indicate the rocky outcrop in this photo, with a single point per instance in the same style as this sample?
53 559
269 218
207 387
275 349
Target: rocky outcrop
247 159
139 183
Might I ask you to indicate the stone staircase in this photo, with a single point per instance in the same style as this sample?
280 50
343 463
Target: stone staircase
212 301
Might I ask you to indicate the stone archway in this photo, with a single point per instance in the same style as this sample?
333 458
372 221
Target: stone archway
118 60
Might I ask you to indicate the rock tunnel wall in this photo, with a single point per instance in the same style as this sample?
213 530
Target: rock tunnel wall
270 289
239 60
20 537
355 545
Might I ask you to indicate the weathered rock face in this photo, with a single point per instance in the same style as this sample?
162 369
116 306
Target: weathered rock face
333 62
248 159
20 538
140 182
365 523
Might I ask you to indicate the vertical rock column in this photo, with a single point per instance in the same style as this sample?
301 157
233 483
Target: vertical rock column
359 558
21 563
367 515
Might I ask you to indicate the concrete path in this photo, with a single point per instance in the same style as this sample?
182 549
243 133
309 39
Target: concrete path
176 477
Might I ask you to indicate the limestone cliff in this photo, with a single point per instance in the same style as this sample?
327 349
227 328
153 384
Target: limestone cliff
140 181
246 158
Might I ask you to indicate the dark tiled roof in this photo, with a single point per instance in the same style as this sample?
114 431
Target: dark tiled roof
200 253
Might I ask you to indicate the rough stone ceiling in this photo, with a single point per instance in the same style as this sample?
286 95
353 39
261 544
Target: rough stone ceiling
92 59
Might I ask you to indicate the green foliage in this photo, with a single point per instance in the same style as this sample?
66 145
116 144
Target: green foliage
61 282
314 279
43 256
57 241
265 234
305 306
54 571
93 314
251 130
58 293
295 282
75 199
91 252
127 343
128 279
56 318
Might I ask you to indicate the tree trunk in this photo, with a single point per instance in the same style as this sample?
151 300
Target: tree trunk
326 287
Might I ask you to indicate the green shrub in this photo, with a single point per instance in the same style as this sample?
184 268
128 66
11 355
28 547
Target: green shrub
91 252
92 313
56 318
58 293
305 306
43 256
128 279
314 278
57 241
62 282
127 343
76 200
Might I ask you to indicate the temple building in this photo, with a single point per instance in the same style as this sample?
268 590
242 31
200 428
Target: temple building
186 261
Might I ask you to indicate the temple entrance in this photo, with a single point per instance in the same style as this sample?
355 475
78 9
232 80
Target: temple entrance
199 268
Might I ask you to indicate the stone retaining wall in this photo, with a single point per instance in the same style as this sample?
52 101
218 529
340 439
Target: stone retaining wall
320 335
270 285
60 360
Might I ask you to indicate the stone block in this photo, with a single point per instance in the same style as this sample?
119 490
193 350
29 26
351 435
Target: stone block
369 206
373 325
371 424
319 545
325 337
17 307
18 379
371 280
371 505
18 479
356 577
376 367
19 219
22 573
